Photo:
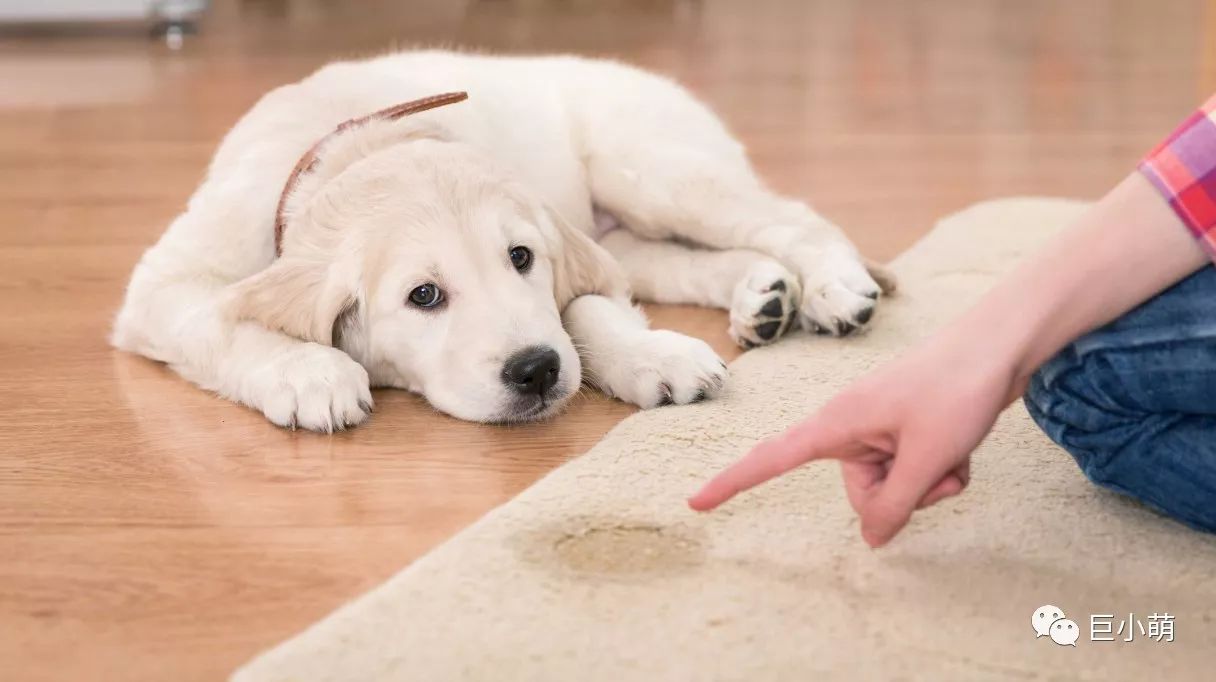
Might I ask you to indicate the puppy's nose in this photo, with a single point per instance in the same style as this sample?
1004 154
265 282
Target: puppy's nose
532 370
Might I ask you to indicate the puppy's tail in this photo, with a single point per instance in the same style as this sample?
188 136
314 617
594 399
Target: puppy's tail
884 277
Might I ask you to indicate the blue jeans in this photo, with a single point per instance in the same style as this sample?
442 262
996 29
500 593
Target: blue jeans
1135 402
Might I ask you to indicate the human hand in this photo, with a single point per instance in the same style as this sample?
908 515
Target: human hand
903 435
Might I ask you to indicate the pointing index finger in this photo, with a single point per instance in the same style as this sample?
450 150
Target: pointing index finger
812 439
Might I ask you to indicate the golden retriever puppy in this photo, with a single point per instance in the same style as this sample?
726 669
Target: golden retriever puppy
353 233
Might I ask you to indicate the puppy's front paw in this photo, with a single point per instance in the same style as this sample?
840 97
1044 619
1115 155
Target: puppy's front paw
662 367
313 387
764 304
838 294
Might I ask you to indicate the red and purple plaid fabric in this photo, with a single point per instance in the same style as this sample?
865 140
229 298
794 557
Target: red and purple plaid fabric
1183 168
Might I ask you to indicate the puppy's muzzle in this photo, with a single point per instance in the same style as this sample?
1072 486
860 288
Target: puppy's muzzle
533 371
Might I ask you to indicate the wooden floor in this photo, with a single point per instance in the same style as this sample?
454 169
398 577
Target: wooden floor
149 531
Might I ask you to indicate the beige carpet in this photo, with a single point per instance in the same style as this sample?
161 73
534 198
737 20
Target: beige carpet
600 572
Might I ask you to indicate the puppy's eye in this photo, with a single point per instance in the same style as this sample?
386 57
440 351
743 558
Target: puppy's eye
426 296
521 258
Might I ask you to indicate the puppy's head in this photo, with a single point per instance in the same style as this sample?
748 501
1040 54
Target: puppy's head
438 273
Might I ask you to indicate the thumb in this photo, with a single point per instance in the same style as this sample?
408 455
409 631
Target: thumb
913 474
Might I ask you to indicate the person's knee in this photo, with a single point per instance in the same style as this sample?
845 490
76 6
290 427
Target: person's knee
1140 455
1074 402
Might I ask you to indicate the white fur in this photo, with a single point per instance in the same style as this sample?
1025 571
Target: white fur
441 197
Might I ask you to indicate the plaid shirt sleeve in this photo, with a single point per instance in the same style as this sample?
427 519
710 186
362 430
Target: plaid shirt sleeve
1183 168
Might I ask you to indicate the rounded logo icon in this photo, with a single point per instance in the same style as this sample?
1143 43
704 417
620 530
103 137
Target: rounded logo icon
1065 632
1043 617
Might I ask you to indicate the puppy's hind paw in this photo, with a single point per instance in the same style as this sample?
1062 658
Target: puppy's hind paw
839 295
764 304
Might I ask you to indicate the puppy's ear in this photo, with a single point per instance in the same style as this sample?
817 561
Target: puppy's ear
580 266
351 141
299 297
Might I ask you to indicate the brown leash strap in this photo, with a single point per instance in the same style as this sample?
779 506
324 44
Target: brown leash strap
309 160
